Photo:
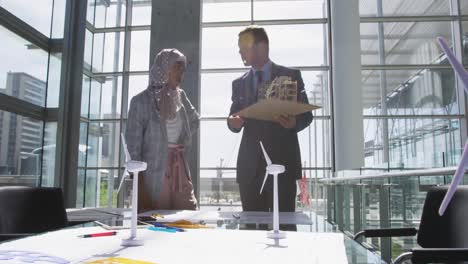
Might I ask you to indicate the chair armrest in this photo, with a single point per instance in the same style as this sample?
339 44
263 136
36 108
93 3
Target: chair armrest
386 232
439 255
78 222
5 237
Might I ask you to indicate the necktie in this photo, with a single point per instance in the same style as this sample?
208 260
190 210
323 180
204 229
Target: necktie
259 77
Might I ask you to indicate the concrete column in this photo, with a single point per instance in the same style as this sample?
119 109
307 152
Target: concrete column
177 24
347 92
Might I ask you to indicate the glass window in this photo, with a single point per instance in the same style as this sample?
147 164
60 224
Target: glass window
106 97
137 84
20 149
218 143
141 12
465 39
404 42
23 73
110 14
91 188
108 52
272 10
405 7
413 142
103 144
216 91
38 17
88 50
108 181
317 87
219 187
140 50
90 11
58 19
53 85
308 49
410 92
80 188
217 42
314 142
86 87
83 146
463 7
48 154
235 10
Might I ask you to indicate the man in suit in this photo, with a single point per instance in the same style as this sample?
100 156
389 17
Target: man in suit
279 138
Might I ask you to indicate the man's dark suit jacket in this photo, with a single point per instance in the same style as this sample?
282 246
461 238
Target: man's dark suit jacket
280 143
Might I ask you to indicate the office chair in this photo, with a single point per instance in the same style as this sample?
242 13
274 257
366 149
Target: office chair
443 239
30 210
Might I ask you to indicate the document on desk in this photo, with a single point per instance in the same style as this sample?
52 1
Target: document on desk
206 246
212 217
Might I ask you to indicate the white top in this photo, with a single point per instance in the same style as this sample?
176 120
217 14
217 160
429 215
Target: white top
174 128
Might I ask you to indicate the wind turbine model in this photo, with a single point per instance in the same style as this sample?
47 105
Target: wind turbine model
463 165
134 167
273 169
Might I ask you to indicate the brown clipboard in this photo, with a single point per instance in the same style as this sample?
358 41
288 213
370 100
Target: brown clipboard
270 109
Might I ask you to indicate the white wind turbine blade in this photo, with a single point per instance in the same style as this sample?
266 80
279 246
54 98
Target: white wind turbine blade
127 154
264 180
267 159
125 174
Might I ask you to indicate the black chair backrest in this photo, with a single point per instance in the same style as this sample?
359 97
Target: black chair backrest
31 209
449 230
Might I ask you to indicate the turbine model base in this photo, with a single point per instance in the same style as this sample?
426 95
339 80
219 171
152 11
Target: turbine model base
131 242
276 234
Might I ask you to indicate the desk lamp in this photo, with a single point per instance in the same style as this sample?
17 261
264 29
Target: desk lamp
273 169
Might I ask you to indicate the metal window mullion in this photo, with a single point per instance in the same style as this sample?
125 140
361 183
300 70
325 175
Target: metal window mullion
278 22
125 78
241 70
331 91
12 104
215 118
234 168
458 49
383 82
120 29
70 100
24 30
386 19
404 66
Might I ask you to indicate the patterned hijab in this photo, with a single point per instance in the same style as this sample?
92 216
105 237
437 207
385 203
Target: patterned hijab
166 100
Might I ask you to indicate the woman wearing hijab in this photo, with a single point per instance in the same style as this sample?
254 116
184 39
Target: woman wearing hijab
161 121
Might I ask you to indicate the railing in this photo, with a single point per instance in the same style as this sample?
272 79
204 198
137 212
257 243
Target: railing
383 200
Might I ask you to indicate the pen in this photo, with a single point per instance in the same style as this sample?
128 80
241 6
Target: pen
113 233
156 224
163 229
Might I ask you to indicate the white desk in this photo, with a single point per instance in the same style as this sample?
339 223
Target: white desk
218 245
194 246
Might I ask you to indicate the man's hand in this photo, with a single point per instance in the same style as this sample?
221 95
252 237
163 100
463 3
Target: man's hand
235 122
287 121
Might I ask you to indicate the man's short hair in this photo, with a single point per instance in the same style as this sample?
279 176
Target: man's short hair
257 32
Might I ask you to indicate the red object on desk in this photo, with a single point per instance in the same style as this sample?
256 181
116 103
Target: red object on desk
113 233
